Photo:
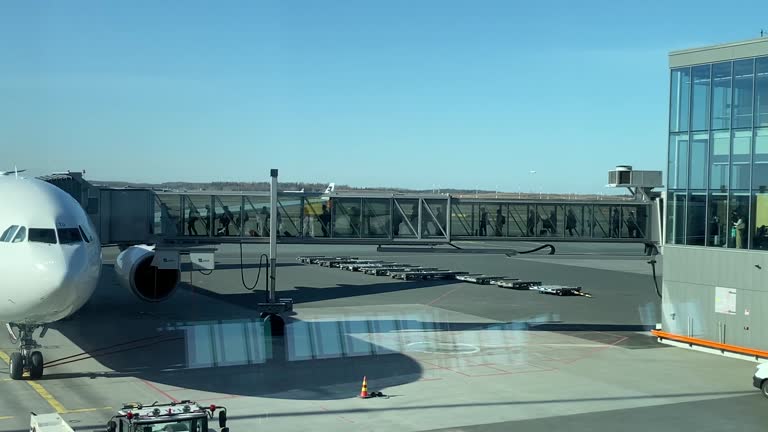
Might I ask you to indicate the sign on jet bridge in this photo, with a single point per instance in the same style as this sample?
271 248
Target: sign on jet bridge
202 260
725 300
166 259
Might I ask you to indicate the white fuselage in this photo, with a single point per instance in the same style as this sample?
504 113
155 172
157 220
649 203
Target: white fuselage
48 270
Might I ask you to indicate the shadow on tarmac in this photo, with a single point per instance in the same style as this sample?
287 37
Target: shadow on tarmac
195 344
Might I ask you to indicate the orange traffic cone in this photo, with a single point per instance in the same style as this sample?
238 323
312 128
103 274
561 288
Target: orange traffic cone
364 391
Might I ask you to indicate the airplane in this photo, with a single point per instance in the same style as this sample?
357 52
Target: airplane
328 190
50 261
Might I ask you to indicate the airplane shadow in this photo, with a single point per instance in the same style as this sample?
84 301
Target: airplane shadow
200 340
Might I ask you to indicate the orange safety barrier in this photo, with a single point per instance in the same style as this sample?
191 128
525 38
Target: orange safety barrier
709 344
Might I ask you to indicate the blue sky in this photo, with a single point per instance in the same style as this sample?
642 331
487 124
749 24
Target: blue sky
396 93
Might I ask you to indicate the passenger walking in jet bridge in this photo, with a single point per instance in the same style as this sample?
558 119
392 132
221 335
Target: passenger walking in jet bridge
397 219
225 219
263 222
194 216
483 222
532 223
207 220
500 221
632 225
354 220
241 223
415 216
440 216
553 222
168 222
615 223
570 223
325 220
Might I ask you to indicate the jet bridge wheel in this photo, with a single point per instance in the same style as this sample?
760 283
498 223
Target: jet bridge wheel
36 365
16 366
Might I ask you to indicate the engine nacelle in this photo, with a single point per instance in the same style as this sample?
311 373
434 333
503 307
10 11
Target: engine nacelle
135 271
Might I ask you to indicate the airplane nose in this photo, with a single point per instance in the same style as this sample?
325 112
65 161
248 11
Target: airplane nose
75 278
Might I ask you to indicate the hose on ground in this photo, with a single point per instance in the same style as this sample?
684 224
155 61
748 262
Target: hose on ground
263 259
551 249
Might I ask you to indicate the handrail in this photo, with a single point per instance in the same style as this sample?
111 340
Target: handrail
710 344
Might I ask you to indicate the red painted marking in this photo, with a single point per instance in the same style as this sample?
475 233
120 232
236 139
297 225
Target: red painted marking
448 369
157 389
495 368
444 295
218 398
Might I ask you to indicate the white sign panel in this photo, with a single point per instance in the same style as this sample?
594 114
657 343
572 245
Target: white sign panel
725 300
202 260
166 260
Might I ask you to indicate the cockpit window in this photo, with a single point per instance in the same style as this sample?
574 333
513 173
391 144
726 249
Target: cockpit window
8 234
42 235
21 234
69 235
85 236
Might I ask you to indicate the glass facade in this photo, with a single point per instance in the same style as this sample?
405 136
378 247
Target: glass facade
717 165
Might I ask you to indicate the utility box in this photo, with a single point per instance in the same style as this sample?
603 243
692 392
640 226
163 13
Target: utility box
625 176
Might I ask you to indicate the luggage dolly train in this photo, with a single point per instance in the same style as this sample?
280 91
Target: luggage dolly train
415 272
183 416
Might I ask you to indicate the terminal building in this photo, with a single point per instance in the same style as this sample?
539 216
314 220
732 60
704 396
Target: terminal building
715 281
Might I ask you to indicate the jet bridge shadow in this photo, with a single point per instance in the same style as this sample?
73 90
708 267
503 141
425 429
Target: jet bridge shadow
193 343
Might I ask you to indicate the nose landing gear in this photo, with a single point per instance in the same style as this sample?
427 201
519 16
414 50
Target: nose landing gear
26 359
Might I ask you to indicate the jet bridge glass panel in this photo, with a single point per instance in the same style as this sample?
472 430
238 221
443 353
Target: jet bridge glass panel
575 221
227 219
433 218
317 217
606 222
289 213
461 218
198 216
550 219
347 217
517 221
167 219
406 218
376 217
257 209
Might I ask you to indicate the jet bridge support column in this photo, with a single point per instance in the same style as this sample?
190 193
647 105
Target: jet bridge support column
273 305
273 236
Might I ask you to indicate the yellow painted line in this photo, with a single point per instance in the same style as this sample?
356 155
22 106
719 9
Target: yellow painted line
82 410
40 390
48 397
45 394
6 417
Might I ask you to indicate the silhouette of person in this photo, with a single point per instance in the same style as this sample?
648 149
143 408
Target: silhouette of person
500 221
483 222
194 216
570 222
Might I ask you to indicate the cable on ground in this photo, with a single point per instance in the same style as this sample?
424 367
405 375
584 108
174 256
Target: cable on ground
551 249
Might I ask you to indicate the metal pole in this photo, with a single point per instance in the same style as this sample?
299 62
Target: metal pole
273 236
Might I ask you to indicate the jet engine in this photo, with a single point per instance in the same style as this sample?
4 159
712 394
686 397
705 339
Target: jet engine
135 271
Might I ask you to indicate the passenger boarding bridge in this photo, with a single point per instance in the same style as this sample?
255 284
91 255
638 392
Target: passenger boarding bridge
366 219
136 216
